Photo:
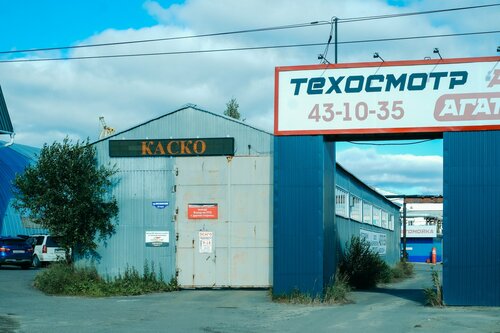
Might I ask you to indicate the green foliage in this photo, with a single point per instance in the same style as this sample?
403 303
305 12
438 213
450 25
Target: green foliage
66 279
339 291
68 194
434 295
363 268
232 109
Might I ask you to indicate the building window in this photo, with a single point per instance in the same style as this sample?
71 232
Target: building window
376 216
355 204
391 222
385 220
341 202
367 213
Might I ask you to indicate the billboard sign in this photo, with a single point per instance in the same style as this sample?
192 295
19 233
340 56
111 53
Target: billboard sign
388 97
172 147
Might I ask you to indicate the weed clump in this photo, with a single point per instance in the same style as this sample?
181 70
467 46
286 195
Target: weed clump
434 295
67 279
334 293
339 291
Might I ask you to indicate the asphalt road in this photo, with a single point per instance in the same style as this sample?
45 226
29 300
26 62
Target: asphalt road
391 308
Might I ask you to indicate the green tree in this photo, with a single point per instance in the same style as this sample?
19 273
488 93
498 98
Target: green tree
67 193
232 109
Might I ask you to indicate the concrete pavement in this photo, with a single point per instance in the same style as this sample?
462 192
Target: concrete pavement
390 308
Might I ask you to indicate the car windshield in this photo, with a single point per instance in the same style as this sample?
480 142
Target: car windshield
13 241
52 241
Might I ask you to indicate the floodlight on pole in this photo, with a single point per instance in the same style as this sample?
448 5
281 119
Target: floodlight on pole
376 55
436 50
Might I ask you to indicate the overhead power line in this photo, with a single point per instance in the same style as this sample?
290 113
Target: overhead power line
274 28
390 144
379 17
245 48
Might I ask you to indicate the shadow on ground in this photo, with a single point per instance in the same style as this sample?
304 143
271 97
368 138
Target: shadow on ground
414 295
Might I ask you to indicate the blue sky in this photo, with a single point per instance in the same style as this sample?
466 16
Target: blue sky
50 100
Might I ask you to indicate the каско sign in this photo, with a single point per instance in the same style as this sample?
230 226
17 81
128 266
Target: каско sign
171 147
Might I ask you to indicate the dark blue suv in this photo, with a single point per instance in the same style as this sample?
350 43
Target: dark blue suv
15 251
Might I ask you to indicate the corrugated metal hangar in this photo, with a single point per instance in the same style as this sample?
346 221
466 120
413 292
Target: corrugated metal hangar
195 192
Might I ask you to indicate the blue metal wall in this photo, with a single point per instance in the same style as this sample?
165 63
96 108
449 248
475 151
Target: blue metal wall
420 249
304 227
471 267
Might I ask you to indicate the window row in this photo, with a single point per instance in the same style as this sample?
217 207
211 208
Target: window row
353 207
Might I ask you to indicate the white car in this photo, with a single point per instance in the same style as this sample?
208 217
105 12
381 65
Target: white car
46 249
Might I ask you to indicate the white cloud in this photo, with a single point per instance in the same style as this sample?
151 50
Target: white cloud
399 173
50 100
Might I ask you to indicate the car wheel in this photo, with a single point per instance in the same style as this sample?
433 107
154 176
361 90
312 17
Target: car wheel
25 266
36 262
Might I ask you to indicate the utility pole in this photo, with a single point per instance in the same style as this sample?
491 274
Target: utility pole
405 254
336 41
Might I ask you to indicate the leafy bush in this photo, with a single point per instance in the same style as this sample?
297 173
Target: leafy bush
363 267
65 279
434 295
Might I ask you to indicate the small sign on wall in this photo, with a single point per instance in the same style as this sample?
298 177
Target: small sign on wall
206 241
157 238
160 204
203 211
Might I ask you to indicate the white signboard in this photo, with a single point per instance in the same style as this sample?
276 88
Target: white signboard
420 231
388 97
206 241
157 238
377 241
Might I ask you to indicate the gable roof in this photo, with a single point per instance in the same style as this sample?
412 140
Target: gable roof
5 123
182 108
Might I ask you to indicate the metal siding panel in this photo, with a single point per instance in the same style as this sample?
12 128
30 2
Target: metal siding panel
135 192
471 250
348 228
298 214
330 259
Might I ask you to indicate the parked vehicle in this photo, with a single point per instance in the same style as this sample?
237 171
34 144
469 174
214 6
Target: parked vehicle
15 251
47 250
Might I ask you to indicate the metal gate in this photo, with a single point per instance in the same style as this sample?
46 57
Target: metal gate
223 229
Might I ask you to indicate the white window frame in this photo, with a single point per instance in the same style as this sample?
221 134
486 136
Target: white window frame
367 212
384 220
341 202
391 222
356 208
376 212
